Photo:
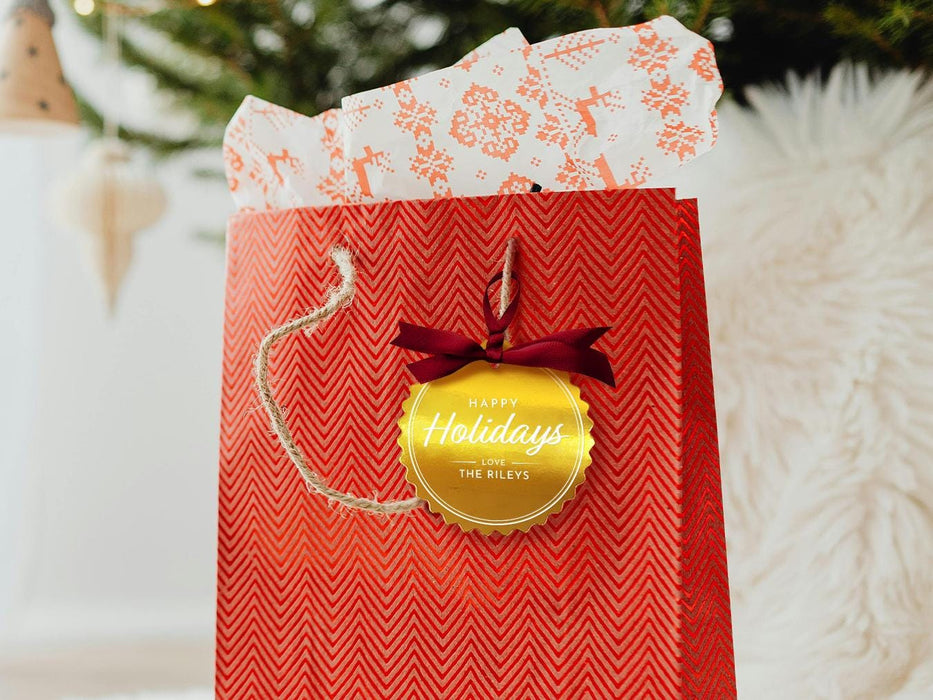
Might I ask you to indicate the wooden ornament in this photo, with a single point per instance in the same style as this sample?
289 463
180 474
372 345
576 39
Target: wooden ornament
109 199
34 95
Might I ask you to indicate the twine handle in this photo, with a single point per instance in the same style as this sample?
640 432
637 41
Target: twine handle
338 298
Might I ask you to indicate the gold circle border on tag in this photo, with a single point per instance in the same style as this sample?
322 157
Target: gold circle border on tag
469 522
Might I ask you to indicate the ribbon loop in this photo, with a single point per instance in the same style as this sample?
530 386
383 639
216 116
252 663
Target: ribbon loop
567 350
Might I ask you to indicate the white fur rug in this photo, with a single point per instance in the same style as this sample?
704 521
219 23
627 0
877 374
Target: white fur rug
817 216
817 213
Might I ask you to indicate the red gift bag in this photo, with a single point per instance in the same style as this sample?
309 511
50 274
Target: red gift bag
623 593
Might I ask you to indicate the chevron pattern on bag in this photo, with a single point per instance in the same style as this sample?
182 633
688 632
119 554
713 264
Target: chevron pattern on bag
705 583
622 594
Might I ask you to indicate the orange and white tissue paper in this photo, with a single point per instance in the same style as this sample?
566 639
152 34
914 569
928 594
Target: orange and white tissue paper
276 158
599 109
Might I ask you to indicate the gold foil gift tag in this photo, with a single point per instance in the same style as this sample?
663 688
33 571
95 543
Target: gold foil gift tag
496 448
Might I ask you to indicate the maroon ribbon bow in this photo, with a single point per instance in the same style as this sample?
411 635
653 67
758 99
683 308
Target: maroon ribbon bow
568 351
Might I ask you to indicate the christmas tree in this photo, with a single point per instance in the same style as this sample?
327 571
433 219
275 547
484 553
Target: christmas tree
307 54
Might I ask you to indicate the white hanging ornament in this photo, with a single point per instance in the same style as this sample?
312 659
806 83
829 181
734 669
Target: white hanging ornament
109 198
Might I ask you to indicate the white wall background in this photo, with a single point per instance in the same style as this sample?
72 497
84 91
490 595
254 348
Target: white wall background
108 426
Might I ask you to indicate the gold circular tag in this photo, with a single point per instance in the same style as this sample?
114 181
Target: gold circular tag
496 449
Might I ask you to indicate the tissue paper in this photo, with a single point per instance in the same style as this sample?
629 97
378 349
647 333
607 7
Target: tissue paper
276 158
599 109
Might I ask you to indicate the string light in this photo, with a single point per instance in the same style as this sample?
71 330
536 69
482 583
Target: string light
87 7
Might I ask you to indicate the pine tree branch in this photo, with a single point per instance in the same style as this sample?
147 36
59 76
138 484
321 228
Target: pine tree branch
602 14
846 22
702 13
160 146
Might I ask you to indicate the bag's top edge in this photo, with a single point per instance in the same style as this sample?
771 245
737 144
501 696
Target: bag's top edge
440 201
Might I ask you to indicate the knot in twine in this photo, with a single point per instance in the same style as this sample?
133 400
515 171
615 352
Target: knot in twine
338 298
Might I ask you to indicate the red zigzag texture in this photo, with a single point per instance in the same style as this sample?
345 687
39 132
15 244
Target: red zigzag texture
622 594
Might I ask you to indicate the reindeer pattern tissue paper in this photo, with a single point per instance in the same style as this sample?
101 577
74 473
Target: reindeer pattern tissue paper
600 109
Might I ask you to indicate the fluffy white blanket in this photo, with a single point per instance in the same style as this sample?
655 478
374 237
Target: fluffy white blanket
817 215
